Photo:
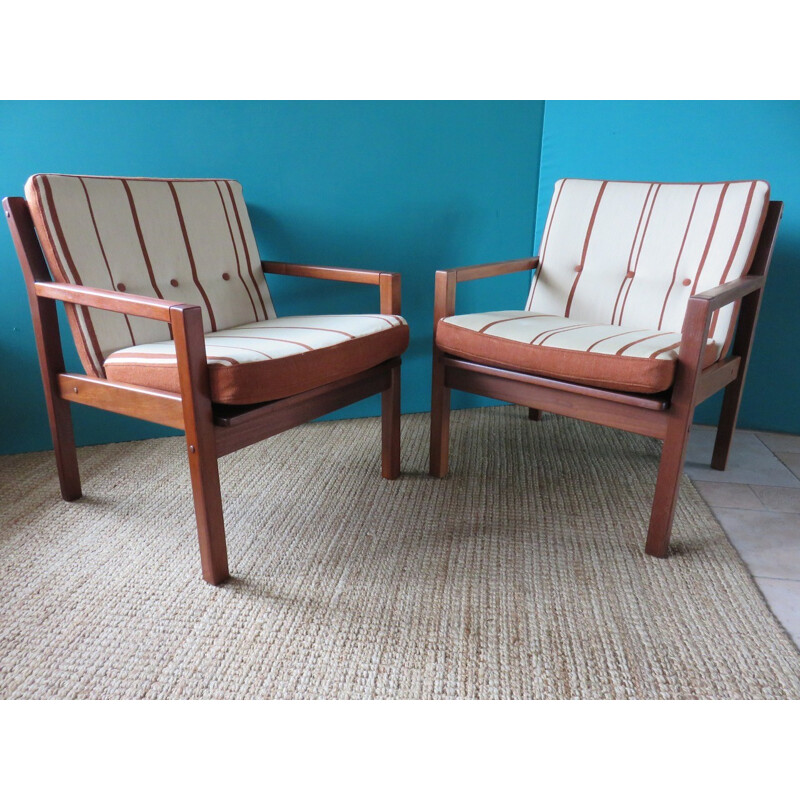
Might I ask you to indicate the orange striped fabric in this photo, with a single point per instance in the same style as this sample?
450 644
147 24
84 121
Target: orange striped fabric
273 358
632 254
609 356
189 241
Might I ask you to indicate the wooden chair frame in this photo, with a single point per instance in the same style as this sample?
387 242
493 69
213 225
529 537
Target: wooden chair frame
666 416
212 430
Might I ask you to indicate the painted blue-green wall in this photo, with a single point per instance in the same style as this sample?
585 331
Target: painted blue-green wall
699 141
404 186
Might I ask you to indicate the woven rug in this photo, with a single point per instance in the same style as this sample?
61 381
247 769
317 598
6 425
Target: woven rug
521 575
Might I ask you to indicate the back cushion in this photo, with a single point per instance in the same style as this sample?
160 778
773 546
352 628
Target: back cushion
634 253
188 241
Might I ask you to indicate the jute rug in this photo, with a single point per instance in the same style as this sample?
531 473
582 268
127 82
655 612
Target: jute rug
521 575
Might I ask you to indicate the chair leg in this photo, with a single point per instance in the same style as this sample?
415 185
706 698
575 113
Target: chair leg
673 455
727 424
390 427
440 421
60 416
534 414
204 471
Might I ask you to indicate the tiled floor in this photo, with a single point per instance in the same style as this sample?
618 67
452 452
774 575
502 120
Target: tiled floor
757 501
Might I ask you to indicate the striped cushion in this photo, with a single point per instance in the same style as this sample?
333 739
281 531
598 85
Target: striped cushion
609 356
184 240
269 359
632 254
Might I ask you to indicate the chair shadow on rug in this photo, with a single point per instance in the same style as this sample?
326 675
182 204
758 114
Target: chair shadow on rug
174 323
630 319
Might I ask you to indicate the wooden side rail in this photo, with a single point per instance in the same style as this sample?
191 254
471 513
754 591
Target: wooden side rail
388 282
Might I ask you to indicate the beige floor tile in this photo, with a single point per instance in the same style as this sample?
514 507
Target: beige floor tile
777 498
768 541
780 442
730 495
783 598
750 462
792 460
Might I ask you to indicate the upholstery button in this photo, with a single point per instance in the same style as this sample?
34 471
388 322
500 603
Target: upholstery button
173 282
578 268
687 282
121 287
225 276
630 273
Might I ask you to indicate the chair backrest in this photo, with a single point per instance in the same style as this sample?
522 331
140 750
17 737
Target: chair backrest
188 241
633 254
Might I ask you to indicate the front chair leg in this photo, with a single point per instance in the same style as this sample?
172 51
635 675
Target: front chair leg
440 420
670 468
534 414
204 471
390 427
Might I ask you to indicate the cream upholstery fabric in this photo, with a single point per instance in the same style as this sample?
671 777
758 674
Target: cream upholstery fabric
271 358
608 356
632 254
184 240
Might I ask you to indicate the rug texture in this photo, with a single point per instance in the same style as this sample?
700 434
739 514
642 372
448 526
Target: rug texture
521 575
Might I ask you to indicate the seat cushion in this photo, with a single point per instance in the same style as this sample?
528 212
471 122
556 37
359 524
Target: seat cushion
270 359
608 356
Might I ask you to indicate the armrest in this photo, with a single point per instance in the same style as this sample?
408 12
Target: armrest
134 304
389 282
444 304
727 293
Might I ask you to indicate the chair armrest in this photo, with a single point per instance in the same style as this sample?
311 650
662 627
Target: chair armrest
444 304
728 293
389 282
134 304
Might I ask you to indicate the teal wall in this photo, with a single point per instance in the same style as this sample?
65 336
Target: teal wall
404 186
702 141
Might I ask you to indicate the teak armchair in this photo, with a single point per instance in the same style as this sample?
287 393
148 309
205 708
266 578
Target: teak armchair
173 321
629 319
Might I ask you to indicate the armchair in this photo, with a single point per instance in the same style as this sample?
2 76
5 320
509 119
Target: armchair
632 308
173 321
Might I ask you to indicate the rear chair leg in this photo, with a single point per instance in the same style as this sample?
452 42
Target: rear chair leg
60 416
673 455
440 420
534 414
727 424
390 427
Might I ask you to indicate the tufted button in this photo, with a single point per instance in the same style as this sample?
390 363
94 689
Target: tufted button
687 282
630 273
121 287
173 282
578 268
225 276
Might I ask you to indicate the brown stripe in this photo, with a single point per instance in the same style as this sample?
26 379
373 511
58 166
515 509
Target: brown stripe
664 349
103 252
643 339
550 331
678 259
377 316
639 252
246 249
73 269
236 251
122 356
585 246
298 328
211 339
571 328
513 319
546 239
139 233
613 336
630 255
192 264
710 236
734 250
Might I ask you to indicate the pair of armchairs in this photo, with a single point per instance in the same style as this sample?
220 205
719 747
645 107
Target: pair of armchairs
628 323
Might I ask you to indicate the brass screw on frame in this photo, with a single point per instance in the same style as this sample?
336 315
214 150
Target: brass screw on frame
191 448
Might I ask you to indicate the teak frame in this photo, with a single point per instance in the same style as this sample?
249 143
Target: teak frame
666 416
211 430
